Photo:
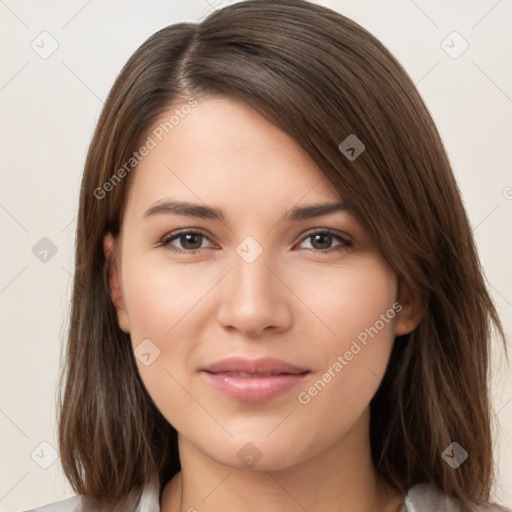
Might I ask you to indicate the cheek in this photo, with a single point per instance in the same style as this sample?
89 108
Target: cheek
360 310
160 298
347 300
165 305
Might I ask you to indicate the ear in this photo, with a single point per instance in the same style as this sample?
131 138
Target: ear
114 279
410 311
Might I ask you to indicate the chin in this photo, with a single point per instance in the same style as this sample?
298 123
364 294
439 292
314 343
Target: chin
261 456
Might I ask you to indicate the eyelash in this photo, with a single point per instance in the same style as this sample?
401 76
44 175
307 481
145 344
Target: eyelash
165 242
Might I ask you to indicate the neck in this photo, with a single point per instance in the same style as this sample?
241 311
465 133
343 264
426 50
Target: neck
342 478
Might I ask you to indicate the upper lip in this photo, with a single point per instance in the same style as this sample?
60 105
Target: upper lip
263 365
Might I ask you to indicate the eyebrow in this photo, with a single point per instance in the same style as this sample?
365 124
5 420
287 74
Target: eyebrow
207 212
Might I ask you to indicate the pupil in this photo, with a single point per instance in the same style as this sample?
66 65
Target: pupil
321 236
189 240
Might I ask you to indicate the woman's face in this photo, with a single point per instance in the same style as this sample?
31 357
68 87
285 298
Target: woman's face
255 283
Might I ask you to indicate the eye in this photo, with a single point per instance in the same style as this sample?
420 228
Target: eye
190 241
321 241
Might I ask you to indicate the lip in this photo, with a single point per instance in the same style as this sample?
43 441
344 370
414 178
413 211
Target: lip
253 380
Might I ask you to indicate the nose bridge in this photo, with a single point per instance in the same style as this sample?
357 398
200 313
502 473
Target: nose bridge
253 299
253 274
251 266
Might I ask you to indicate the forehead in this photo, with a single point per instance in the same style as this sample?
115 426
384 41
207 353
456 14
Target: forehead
222 151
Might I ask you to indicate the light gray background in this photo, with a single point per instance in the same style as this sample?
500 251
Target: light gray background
49 108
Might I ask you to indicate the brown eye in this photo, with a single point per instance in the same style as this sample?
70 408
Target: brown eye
322 241
189 241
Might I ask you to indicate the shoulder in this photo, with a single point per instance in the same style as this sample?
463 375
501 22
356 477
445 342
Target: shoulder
66 505
427 498
147 501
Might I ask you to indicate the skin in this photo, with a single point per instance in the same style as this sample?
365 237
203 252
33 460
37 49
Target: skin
294 302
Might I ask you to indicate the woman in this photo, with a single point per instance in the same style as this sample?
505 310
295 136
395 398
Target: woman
222 355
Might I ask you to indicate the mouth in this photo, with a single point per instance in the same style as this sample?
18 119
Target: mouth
253 381
253 375
265 366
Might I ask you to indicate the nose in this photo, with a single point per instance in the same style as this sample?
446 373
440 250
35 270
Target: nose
254 300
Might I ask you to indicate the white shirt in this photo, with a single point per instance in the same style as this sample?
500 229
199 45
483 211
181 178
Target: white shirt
420 498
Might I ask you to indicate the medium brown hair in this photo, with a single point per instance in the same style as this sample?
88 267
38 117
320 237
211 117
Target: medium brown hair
320 77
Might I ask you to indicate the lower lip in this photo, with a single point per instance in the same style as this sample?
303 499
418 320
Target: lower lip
254 389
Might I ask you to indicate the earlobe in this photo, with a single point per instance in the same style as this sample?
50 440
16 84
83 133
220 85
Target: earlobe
410 314
114 281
